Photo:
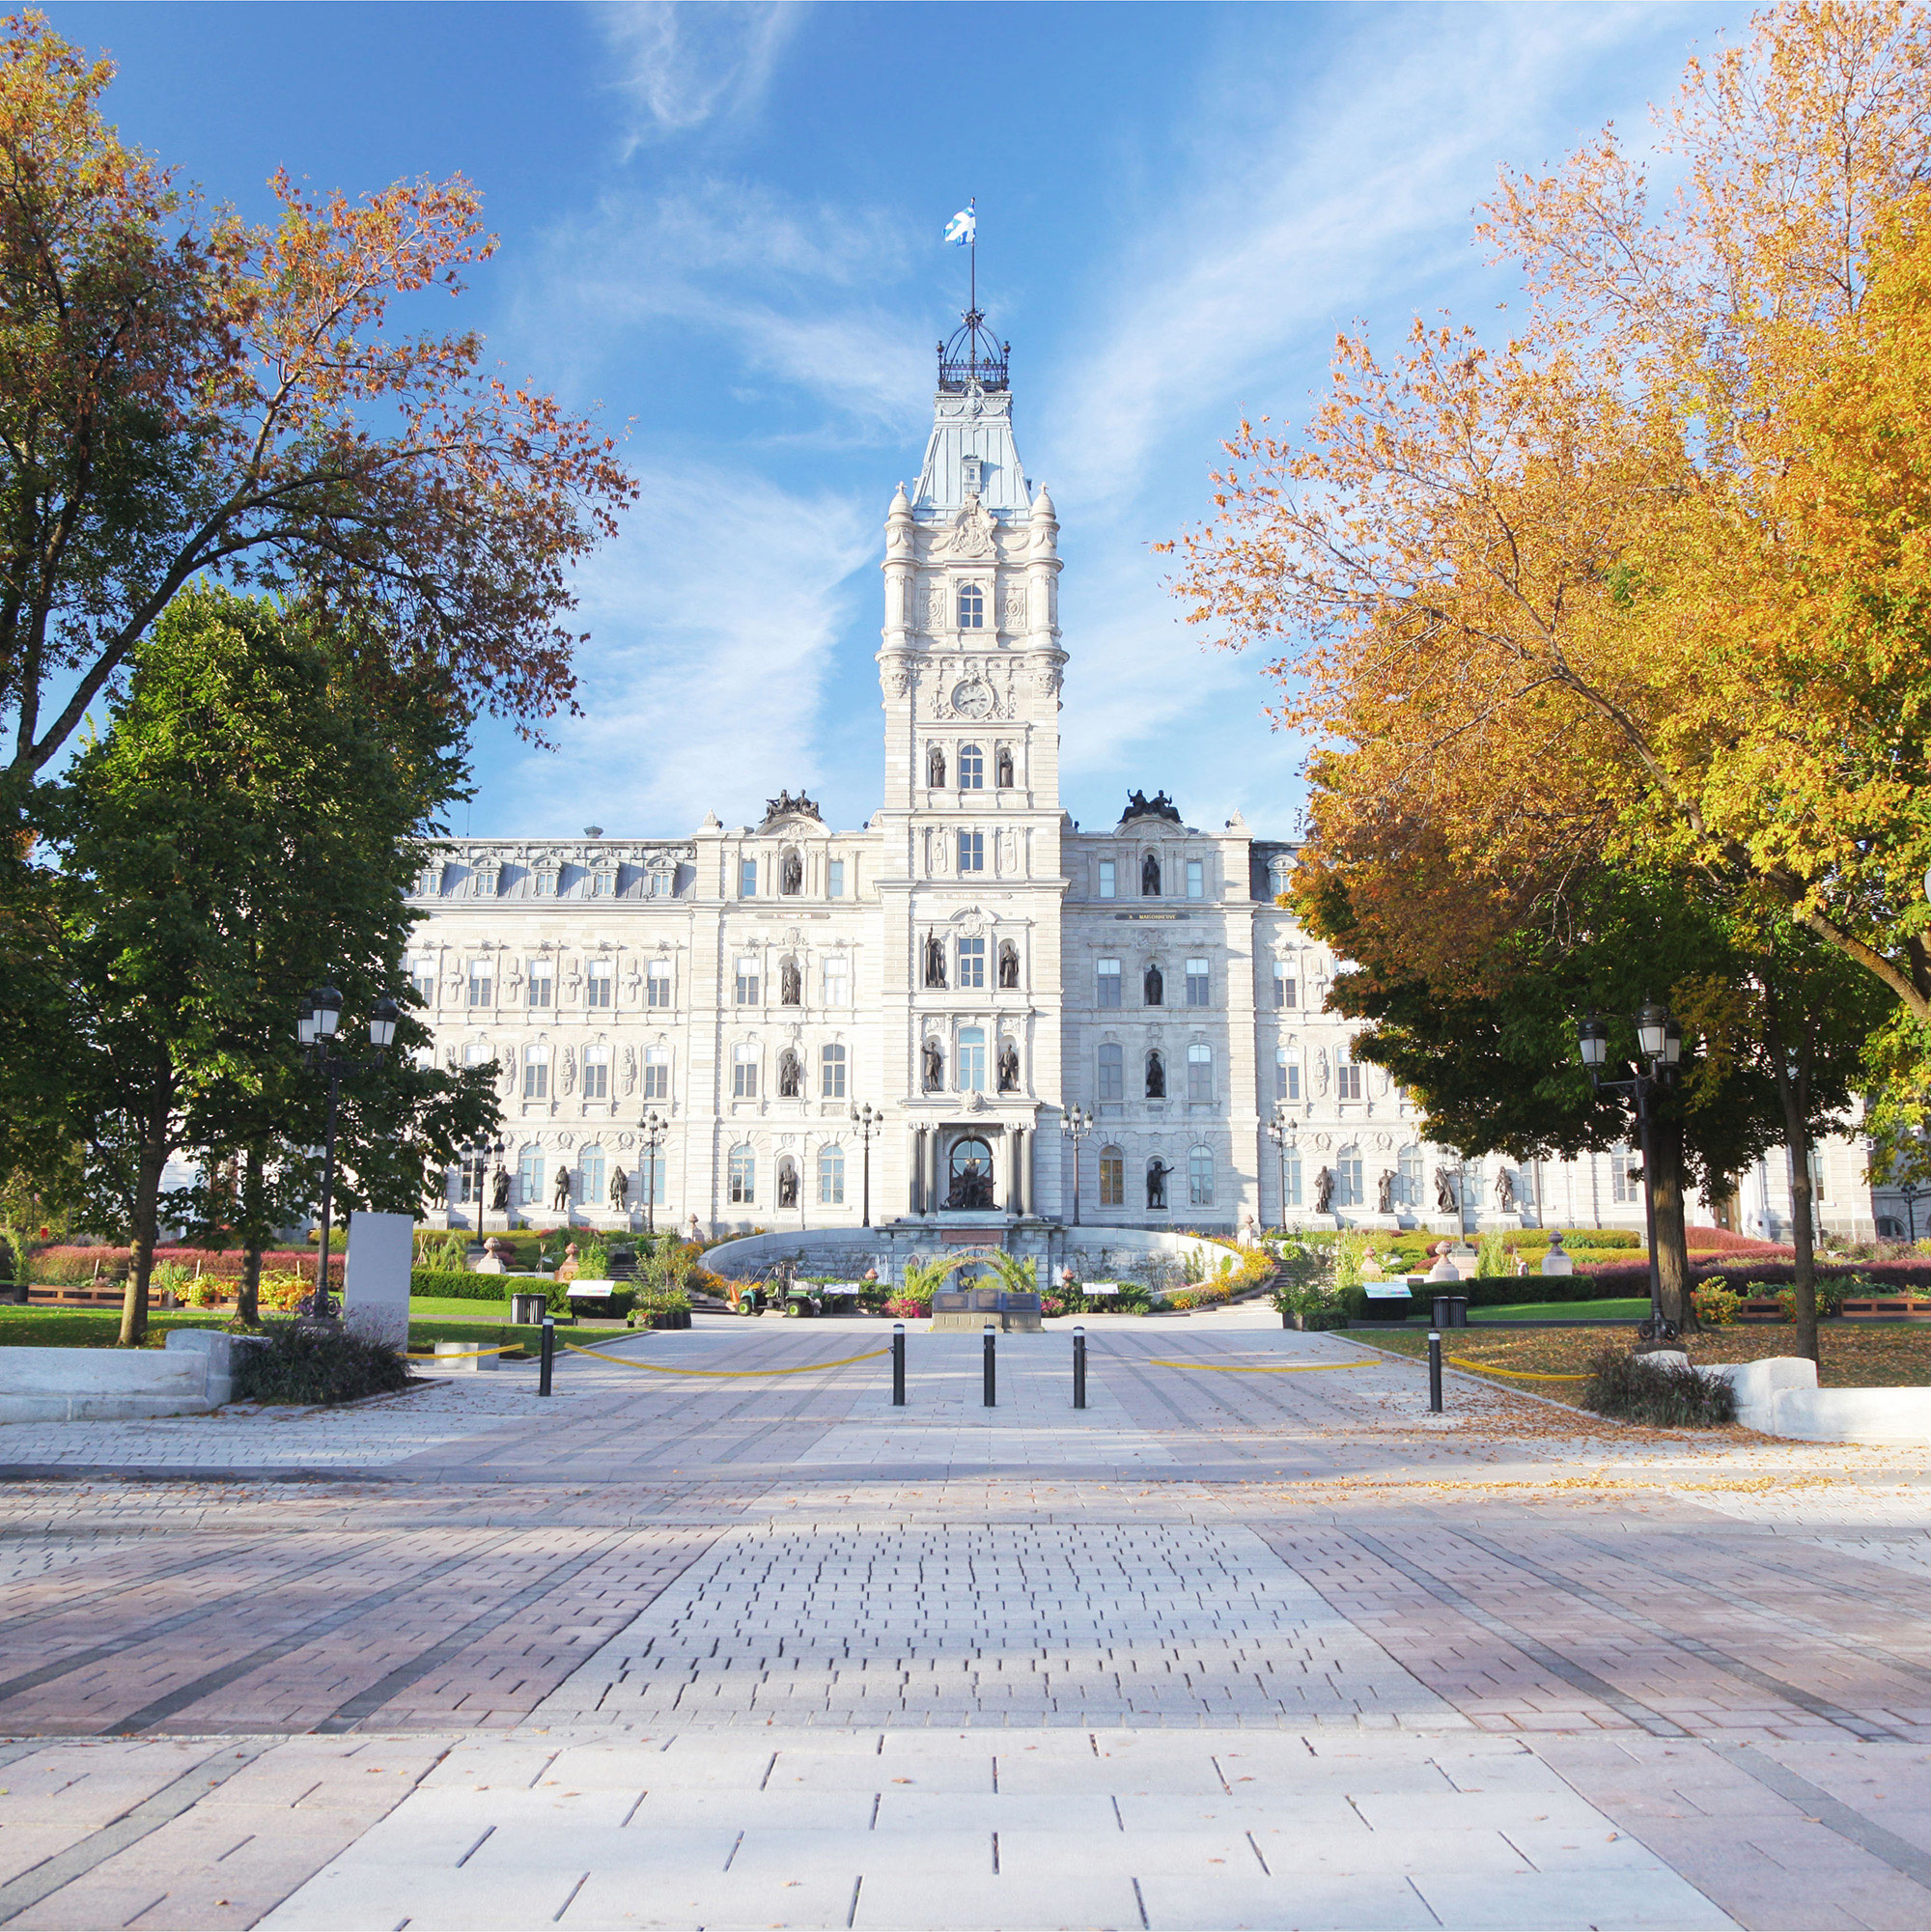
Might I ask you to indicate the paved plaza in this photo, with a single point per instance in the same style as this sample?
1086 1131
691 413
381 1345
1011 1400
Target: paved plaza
1252 1640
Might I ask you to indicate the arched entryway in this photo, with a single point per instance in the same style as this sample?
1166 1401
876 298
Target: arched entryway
970 1174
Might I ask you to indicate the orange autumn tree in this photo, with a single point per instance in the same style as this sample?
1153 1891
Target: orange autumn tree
183 393
1644 582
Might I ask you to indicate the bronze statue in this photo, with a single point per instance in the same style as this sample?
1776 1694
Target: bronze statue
934 1067
1505 1191
1324 1192
1150 877
971 1186
619 1191
499 1191
1008 966
559 1199
791 1075
1153 989
1446 1202
935 960
785 804
791 985
1009 1069
1156 1080
787 1184
1385 1203
1140 806
1157 1172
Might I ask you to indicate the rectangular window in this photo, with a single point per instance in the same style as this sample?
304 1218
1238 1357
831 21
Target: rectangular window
1107 981
536 1076
422 976
1112 1178
539 982
1109 876
657 983
530 1177
651 1178
596 1072
1285 992
1199 982
971 961
832 1177
1112 1073
831 1072
599 983
1196 879
482 983
838 982
1624 1176
747 879
971 1067
971 851
744 1177
1199 1072
834 879
1347 1076
747 981
1290 1173
745 1072
1200 1177
1286 1076
657 1073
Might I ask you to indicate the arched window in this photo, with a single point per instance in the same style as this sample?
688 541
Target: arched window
1348 1178
971 768
832 1177
1156 1075
791 1075
1112 1177
971 1170
590 1175
1408 1177
969 1063
971 608
744 1173
1200 1177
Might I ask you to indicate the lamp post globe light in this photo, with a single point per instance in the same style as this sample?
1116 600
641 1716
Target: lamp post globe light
1280 1130
867 1119
1659 1040
1076 1124
477 1159
652 1129
315 1029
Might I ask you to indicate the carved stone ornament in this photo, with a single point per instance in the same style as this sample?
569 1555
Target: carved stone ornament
1384 1141
565 1139
625 1140
1014 617
898 679
974 1102
935 609
1047 676
971 533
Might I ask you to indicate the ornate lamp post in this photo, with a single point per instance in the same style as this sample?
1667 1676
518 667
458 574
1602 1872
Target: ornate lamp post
315 1029
867 1119
480 1156
1909 1193
652 1129
1076 1124
1280 1130
1659 1041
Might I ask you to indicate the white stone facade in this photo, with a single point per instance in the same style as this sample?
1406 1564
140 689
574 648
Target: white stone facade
971 963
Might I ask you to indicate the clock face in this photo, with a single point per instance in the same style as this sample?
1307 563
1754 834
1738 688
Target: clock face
972 699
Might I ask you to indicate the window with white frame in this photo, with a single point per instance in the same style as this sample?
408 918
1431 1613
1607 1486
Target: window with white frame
832 1176
657 984
834 879
657 1073
971 962
831 1072
530 1177
1624 1176
971 851
596 1072
1285 992
1290 1178
422 976
1408 1177
600 982
541 982
1109 875
1196 879
536 1073
742 1168
971 768
1112 1177
1347 1074
1199 1073
1200 1177
837 980
482 982
747 879
650 1177
663 882
1199 982
748 980
744 1072
592 1171
971 608
970 1067
1286 1075
1106 982
1348 1178
1112 1088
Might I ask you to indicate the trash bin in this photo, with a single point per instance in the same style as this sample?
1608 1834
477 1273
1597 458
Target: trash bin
1451 1312
527 1309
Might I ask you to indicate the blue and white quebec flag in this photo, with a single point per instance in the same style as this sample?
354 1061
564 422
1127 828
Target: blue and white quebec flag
964 227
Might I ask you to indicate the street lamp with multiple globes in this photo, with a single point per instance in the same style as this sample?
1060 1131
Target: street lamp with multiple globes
477 1160
1659 1041
1280 1130
316 1030
1076 1124
652 1129
867 1119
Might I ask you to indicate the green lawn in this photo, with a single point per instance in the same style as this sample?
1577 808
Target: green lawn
475 1322
1630 1308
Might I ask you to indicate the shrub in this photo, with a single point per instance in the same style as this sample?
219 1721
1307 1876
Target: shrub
460 1285
657 1299
1716 1306
444 1253
302 1362
283 1291
1491 1259
207 1293
909 1308
1634 1389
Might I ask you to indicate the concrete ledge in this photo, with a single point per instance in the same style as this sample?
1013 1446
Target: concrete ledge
103 1385
1779 1397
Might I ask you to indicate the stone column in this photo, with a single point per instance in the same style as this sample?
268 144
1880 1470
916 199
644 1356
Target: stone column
934 1197
1023 1135
916 1167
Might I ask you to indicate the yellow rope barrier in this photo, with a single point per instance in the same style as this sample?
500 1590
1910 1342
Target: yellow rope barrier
1286 1368
467 1354
662 1368
1513 1374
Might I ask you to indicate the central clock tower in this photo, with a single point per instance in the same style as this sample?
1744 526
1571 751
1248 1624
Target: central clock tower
971 875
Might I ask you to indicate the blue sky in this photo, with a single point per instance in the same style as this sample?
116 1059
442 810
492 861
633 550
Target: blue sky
720 226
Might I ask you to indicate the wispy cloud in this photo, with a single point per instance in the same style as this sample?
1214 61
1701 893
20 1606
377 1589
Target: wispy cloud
713 624
682 66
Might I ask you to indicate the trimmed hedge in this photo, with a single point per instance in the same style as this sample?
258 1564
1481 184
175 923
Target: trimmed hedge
452 1286
1887 1277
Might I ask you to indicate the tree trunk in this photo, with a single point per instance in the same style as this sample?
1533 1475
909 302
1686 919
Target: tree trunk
147 1230
1797 1144
1663 1176
248 1295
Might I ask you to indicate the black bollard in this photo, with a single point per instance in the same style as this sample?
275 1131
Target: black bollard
1079 1368
1434 1373
992 1370
547 1360
898 1365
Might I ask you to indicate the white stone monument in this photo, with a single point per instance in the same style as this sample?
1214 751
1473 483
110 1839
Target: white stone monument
376 1281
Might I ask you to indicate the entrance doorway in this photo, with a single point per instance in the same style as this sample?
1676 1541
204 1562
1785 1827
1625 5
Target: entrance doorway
970 1170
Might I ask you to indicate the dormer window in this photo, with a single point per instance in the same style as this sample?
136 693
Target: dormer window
971 608
968 471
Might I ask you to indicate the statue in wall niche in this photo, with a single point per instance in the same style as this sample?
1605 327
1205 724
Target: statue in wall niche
499 1191
1152 988
791 1079
506 1078
1008 966
1005 769
1156 1077
1157 1172
1505 1191
1321 1072
935 768
790 874
787 1184
1009 1069
791 985
559 1201
619 1191
1384 1200
935 960
1150 877
933 1067
1324 1192
570 1070
630 1070
1446 1202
